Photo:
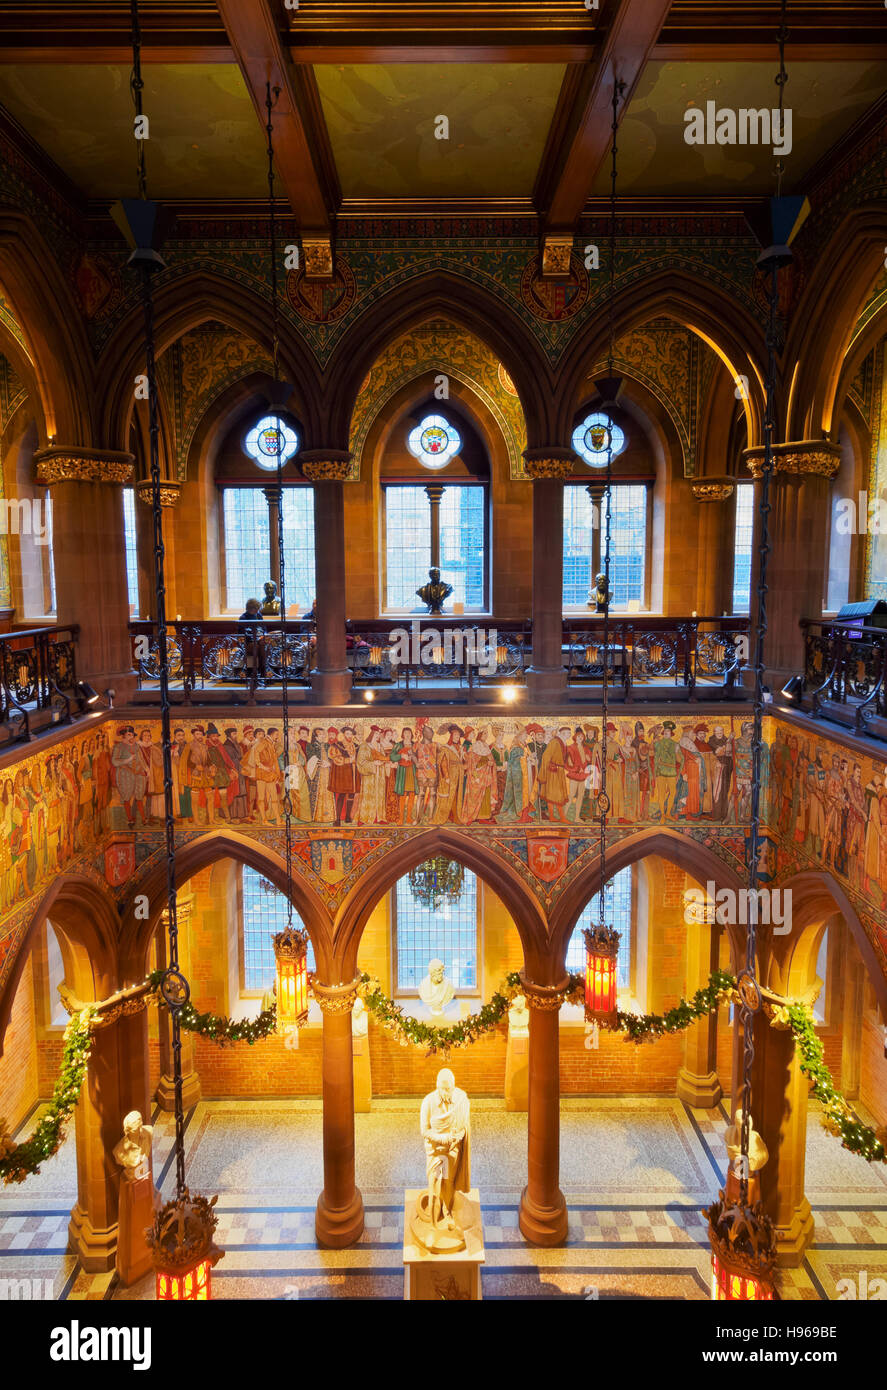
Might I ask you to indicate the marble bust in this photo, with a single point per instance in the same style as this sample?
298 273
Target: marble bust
445 1126
757 1149
133 1151
518 1017
360 1019
436 991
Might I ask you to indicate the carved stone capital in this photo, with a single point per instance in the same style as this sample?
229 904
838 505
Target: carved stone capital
59 464
549 463
335 999
318 253
556 252
326 465
805 456
548 998
170 493
712 489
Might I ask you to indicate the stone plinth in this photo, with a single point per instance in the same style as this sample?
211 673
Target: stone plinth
136 1212
517 1071
363 1082
444 1277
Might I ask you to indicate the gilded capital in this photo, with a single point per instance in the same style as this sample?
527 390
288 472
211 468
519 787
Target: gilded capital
556 252
170 493
547 998
335 999
59 464
712 490
549 463
326 465
806 456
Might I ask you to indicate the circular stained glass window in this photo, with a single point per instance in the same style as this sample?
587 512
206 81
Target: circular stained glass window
434 442
269 436
592 438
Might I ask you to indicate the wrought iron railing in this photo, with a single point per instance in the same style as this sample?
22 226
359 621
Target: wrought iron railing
845 664
38 671
680 655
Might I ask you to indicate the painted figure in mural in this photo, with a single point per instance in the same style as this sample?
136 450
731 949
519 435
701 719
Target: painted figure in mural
552 776
403 756
480 782
692 783
129 774
578 761
721 750
152 758
449 776
644 753
519 774
615 775
665 754
426 770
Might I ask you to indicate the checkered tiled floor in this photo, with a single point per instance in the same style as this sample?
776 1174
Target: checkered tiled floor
622 1242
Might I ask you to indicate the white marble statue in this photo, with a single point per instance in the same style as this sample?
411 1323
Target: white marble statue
436 991
445 1125
518 1017
360 1019
133 1151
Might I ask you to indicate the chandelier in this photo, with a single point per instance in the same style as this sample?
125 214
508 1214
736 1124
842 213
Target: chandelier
437 881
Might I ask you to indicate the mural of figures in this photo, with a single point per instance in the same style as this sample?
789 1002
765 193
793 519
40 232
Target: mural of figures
97 798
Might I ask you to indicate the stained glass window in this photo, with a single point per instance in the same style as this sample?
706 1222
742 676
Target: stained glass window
407 544
132 562
590 439
742 541
434 442
246 521
264 914
617 906
267 436
447 933
584 545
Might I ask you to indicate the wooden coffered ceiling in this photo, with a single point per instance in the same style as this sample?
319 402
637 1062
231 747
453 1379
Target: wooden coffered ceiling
525 84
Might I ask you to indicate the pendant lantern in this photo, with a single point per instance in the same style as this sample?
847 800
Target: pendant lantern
743 1251
601 957
181 1240
291 956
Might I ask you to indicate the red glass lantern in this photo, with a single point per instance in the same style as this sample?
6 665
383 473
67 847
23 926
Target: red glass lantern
291 955
743 1251
183 1250
601 957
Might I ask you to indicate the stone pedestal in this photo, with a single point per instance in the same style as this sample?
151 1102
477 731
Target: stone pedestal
439 1278
363 1082
136 1212
779 1106
517 1071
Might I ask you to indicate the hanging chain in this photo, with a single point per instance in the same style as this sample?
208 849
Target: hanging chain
284 679
136 87
746 1011
781 79
618 89
175 998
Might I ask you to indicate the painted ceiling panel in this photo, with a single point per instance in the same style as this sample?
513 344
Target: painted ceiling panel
205 139
381 122
825 100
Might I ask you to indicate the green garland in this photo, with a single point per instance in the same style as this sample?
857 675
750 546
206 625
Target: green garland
18 1161
217 1027
414 1031
839 1118
648 1027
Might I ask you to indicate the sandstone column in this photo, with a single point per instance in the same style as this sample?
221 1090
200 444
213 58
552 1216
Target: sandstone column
543 1211
548 468
275 501
714 594
779 1109
339 1219
116 1082
698 1083
89 555
327 469
797 569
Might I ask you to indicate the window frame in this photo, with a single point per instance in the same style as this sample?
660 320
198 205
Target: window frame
648 484
628 991
462 992
255 485
244 992
433 480
742 483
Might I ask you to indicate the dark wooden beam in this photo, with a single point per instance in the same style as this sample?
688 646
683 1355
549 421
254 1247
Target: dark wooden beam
253 29
567 174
